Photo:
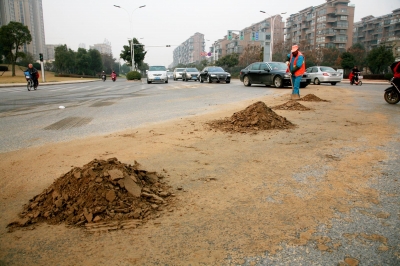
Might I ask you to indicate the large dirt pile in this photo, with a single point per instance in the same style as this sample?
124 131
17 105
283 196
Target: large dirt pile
255 117
100 191
291 105
311 98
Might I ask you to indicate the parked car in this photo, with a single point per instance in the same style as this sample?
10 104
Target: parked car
178 73
324 74
214 73
157 74
170 74
190 74
270 73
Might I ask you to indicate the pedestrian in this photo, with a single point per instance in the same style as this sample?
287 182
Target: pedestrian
34 74
297 66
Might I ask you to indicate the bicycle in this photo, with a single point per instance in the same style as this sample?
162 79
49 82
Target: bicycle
31 84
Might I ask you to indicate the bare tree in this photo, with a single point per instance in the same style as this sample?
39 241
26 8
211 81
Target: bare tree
251 54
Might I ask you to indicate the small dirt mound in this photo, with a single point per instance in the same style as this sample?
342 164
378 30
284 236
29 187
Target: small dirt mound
311 98
291 105
100 191
255 117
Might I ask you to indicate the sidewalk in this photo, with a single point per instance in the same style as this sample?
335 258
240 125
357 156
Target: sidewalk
4 85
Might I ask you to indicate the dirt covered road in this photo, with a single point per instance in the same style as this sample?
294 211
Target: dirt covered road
269 194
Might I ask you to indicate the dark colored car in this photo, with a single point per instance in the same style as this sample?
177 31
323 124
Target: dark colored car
190 73
213 73
270 73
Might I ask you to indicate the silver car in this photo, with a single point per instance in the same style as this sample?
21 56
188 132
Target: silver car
190 73
324 74
178 73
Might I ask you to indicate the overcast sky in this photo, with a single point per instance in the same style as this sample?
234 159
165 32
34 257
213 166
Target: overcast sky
169 22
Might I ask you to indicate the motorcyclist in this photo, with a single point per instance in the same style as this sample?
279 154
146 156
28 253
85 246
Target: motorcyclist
113 75
103 75
355 73
396 73
34 74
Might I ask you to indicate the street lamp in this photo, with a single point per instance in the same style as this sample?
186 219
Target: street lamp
131 32
272 32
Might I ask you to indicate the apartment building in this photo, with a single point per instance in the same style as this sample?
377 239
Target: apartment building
30 14
190 51
374 31
329 25
257 34
103 48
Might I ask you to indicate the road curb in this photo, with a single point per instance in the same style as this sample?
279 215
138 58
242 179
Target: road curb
8 85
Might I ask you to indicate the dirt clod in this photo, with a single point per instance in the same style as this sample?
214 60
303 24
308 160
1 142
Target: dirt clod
102 190
255 117
312 98
291 105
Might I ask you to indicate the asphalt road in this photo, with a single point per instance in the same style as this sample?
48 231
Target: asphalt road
63 112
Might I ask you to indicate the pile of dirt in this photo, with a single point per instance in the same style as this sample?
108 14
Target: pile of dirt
255 117
311 98
291 105
100 191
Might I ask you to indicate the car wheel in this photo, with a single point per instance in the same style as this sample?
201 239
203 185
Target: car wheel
228 81
201 80
278 83
333 83
166 81
316 81
246 81
209 79
148 82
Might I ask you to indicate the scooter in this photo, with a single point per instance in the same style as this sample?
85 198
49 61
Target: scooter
113 77
355 79
103 77
392 94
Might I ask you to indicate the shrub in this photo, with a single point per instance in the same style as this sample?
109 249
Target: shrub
37 66
388 76
3 68
132 75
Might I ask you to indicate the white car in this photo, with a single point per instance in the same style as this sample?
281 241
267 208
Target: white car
170 74
157 74
178 73
190 73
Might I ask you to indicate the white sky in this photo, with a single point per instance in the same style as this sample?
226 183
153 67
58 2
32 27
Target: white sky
171 22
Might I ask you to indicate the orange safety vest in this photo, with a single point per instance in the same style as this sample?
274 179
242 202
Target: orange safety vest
302 69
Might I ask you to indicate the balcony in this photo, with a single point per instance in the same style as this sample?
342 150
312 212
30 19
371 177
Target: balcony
330 32
340 40
304 26
330 10
331 20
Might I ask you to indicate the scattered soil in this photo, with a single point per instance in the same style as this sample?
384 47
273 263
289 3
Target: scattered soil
100 191
312 98
291 105
255 117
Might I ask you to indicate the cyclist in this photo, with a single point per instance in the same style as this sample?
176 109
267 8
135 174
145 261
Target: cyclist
34 75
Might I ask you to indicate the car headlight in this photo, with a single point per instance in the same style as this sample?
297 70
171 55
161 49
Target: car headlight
189 76
229 75
286 76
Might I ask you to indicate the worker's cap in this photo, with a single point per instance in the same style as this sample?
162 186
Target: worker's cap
295 48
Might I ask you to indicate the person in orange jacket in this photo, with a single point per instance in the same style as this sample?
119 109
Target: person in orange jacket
297 66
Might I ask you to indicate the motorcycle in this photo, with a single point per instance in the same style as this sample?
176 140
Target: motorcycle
392 94
355 78
31 84
103 77
114 77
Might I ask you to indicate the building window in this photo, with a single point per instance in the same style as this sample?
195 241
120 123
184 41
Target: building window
343 10
343 17
321 19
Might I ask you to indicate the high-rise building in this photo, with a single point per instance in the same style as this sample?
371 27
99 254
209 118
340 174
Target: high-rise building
329 25
103 48
190 51
374 31
30 14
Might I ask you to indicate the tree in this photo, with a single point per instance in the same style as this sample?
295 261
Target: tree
96 64
82 62
108 62
359 53
64 59
139 53
251 54
279 53
12 37
26 59
348 60
379 58
331 57
229 60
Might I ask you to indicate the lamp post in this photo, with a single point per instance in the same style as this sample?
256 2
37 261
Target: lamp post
131 32
272 32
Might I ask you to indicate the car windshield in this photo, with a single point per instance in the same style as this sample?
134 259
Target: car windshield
215 69
179 69
192 70
327 69
277 66
157 68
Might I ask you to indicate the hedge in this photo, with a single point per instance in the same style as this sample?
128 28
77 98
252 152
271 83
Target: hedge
132 75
